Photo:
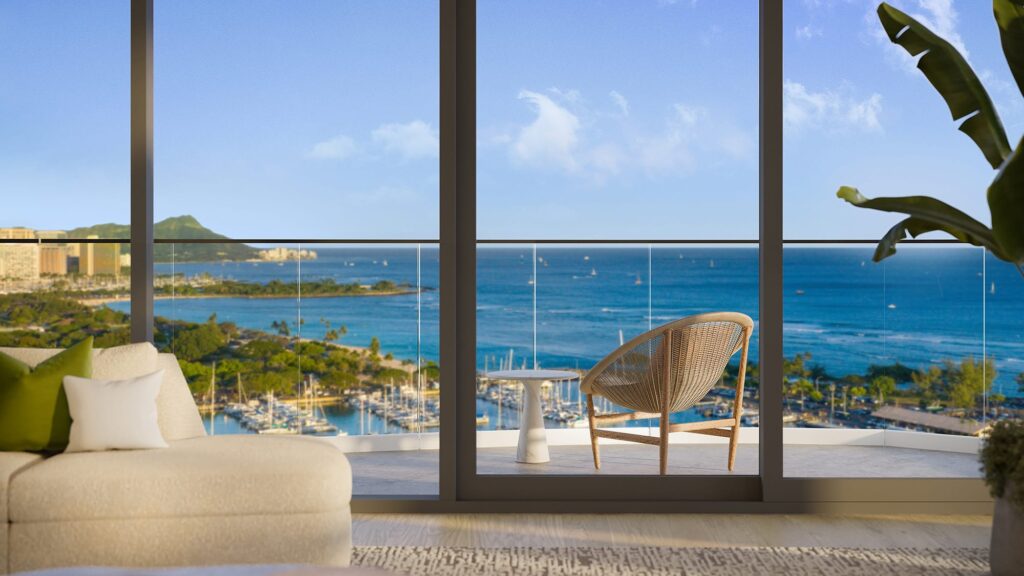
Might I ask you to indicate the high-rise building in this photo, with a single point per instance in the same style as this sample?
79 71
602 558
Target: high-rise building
19 261
99 259
51 234
17 234
53 259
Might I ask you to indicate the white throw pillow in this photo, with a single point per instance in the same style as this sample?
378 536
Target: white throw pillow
114 414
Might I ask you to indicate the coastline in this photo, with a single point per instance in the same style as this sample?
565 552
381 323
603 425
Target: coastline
94 302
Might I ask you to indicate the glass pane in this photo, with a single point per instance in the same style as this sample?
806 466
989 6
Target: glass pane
55 295
618 133
1003 396
897 368
640 124
319 118
857 112
338 341
566 307
884 360
64 100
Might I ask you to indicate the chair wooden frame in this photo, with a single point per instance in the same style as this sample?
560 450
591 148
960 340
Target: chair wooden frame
727 427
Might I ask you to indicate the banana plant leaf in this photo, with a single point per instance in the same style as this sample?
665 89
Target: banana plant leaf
1010 19
1006 202
954 79
926 215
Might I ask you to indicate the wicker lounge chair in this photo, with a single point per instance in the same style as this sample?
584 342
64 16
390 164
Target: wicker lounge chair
665 371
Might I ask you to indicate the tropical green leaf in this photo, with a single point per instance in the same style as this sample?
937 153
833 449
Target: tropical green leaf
914 227
1006 202
954 79
1010 19
926 215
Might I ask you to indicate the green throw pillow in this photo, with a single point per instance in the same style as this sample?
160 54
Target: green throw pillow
34 413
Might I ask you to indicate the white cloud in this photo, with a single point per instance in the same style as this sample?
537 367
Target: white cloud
417 139
829 110
551 139
620 102
688 115
692 137
565 136
338 148
940 17
807 32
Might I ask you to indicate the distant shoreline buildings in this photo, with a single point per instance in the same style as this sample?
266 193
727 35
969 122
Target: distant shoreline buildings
31 261
281 254
26 260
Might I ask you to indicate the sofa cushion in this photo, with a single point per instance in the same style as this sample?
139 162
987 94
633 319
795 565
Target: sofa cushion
114 363
212 475
176 410
10 464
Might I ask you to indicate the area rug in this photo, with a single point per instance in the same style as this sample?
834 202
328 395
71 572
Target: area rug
650 561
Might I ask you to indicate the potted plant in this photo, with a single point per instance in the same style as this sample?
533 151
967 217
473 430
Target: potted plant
1002 459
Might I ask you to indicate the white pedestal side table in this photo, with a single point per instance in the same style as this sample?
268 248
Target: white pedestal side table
533 440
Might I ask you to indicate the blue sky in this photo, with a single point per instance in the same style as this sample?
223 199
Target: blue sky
596 118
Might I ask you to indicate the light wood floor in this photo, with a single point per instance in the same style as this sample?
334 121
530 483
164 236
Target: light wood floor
684 530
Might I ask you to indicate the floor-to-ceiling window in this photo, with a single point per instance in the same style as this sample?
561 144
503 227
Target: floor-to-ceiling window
900 364
616 192
307 134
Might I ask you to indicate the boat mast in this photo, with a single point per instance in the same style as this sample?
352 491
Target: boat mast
213 397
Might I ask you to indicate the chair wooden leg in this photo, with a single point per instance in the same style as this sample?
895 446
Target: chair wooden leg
663 446
593 431
734 440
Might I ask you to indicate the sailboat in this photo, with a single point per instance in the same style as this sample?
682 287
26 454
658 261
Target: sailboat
593 271
638 281
992 288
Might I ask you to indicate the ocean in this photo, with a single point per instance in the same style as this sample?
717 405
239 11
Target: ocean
927 304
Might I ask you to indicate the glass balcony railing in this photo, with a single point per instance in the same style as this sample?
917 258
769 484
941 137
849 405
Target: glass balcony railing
927 340
341 340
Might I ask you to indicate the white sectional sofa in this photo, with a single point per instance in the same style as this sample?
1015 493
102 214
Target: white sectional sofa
204 500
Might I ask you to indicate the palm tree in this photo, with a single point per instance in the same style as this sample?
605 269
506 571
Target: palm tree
881 386
968 102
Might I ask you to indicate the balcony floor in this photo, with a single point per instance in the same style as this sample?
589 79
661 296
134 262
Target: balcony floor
415 472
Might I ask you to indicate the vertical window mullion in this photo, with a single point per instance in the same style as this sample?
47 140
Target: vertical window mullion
142 170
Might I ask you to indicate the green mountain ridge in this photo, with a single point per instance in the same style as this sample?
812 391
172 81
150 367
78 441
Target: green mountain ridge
182 228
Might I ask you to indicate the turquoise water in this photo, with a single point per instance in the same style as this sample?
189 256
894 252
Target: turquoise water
921 307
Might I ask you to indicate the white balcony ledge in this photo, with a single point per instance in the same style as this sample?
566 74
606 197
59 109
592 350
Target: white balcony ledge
407 464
